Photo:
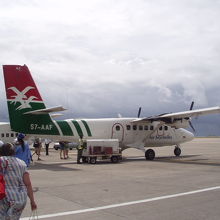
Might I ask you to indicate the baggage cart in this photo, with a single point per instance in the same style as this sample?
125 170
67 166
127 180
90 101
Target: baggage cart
101 149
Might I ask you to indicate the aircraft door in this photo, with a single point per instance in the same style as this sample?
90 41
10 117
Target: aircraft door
118 132
160 131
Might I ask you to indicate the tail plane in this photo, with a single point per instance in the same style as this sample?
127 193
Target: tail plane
27 111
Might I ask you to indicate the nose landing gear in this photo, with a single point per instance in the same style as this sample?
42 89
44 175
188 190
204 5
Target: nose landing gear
177 151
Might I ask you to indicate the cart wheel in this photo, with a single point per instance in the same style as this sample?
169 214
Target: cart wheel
84 159
92 160
114 159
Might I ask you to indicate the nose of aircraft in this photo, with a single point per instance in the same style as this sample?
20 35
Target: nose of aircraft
188 136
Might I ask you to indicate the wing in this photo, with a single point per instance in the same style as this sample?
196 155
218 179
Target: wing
171 117
46 110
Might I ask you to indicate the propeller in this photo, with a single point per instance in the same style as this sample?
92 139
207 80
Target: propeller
190 123
191 106
139 112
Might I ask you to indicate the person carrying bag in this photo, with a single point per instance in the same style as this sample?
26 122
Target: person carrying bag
2 183
2 180
17 184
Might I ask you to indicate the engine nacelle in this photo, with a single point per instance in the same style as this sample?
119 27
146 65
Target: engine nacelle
180 123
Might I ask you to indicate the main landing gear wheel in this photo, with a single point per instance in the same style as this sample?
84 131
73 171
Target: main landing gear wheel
177 151
149 154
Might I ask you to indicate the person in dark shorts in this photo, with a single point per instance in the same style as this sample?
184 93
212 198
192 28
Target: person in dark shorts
37 147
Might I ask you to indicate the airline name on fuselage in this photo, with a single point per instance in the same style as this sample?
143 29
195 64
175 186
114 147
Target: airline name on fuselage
41 127
167 137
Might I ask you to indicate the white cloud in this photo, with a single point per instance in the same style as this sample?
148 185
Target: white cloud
170 49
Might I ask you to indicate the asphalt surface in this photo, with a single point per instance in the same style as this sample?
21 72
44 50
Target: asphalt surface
132 189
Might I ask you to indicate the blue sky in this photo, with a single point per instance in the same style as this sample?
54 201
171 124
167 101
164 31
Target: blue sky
103 57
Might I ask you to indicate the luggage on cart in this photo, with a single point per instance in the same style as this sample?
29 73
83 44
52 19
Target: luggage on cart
101 149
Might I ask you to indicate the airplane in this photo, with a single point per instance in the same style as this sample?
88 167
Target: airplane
29 115
6 134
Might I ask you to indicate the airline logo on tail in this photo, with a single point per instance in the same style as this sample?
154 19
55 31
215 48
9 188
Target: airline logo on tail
21 97
24 100
21 90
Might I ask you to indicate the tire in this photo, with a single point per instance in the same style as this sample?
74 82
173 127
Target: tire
177 151
84 159
149 154
92 160
114 159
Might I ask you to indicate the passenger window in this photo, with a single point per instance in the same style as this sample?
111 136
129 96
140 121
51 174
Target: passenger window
145 127
128 127
134 127
117 128
3 135
140 127
160 128
12 134
151 127
7 134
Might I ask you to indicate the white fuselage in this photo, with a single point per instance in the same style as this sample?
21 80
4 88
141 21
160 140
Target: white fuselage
129 134
6 134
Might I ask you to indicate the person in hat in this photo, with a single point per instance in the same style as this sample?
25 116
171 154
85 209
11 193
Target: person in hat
22 150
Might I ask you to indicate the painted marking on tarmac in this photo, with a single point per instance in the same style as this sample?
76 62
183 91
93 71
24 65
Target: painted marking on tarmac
124 204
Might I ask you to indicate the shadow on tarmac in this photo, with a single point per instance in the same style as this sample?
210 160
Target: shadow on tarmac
53 167
187 159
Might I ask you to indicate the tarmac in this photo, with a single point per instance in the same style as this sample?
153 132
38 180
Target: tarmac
168 188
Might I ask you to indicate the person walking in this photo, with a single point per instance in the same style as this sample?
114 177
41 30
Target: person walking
47 143
66 150
17 184
62 150
37 146
22 150
80 149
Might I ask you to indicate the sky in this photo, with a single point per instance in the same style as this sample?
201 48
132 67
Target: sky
100 58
